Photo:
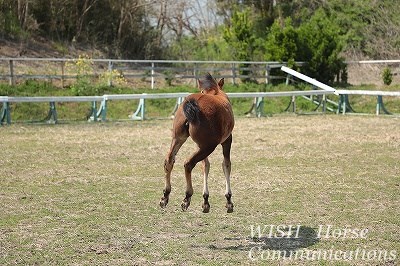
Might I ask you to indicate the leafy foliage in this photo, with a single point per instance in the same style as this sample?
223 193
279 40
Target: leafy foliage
209 48
387 76
240 37
83 69
321 47
315 31
316 42
282 42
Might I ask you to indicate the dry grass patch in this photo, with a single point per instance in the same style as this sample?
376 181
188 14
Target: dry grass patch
80 194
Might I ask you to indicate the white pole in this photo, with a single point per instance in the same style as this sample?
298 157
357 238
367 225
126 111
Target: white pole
309 80
152 75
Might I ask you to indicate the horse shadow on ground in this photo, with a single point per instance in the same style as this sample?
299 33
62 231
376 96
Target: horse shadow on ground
306 237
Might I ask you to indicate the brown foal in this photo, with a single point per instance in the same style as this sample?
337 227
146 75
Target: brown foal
207 118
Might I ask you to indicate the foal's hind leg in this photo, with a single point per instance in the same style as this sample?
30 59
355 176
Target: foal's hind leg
180 133
176 144
198 156
206 170
226 166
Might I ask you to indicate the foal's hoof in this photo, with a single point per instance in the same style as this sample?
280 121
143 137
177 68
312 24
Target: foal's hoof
185 205
206 207
163 202
229 207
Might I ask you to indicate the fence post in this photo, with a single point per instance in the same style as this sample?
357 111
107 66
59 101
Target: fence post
260 106
94 111
110 69
324 103
12 81
195 73
104 109
288 77
140 110
233 74
293 104
152 75
52 115
5 114
62 73
382 106
267 74
344 103
179 101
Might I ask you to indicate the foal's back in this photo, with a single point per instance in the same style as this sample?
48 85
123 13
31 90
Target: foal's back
215 118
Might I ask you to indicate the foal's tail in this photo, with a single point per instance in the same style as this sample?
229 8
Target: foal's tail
191 110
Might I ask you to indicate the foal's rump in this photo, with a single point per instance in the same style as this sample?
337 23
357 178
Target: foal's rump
208 116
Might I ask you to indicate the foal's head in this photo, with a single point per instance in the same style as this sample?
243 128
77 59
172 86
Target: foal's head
209 85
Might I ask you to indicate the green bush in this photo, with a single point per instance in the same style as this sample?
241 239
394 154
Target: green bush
169 77
321 45
387 76
317 42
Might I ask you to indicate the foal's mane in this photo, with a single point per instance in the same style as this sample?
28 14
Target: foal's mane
208 82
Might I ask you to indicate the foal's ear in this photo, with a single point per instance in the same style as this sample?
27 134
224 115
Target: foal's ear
199 84
221 83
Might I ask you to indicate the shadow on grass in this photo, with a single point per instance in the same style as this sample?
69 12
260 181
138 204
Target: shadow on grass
305 237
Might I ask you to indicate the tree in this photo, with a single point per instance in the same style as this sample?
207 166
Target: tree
321 46
317 42
264 11
240 37
147 28
14 16
282 42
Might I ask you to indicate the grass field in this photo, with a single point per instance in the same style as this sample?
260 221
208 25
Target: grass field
87 194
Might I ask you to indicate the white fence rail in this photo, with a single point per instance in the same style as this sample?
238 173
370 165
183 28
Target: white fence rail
343 105
101 112
371 93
